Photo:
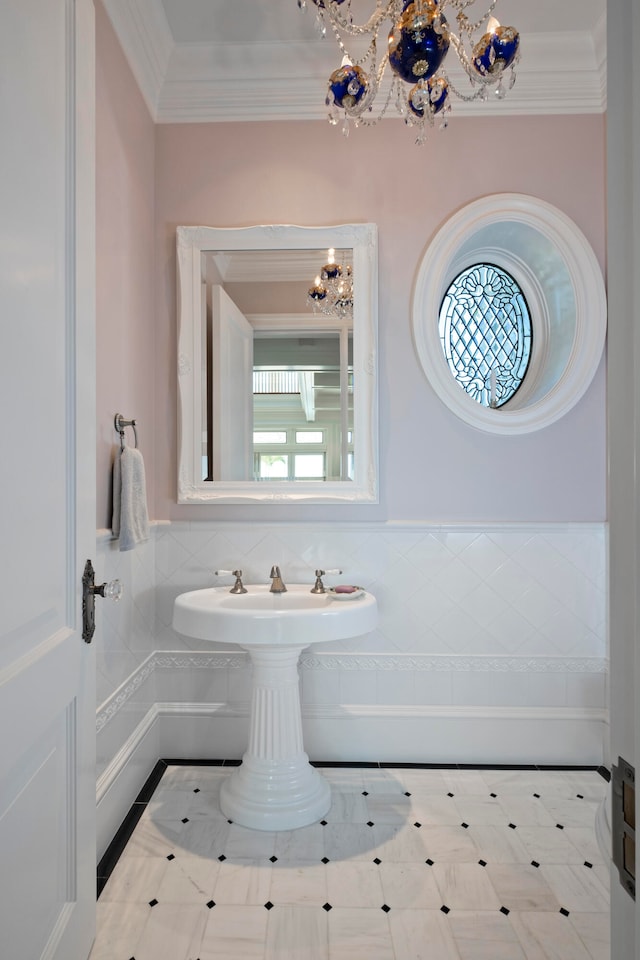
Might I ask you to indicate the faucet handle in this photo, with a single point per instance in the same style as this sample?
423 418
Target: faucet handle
238 586
318 586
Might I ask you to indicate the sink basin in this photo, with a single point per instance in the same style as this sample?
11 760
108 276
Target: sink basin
275 787
259 617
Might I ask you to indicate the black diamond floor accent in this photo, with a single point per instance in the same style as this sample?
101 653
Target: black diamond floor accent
505 910
185 820
407 794
323 823
513 826
153 902
482 863
451 794
465 825
222 858
587 864
268 905
559 826
494 795
377 860
171 857
534 863
210 904
327 907
325 860
579 796
444 908
385 908
564 912
370 823
365 793
417 824
273 859
197 790
537 796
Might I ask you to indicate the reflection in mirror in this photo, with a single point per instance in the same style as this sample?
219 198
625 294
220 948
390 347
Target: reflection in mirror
277 331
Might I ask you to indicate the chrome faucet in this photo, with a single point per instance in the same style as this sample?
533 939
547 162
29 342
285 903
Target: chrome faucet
277 586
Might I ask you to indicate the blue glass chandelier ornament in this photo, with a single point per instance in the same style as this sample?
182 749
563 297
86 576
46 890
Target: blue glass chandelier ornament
419 40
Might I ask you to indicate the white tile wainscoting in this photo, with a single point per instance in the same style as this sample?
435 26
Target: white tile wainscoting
491 647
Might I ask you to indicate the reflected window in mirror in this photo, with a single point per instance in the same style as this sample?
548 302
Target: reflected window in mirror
281 398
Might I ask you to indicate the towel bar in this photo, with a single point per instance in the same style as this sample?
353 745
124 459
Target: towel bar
120 423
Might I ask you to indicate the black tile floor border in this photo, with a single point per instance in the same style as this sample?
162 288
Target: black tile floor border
123 834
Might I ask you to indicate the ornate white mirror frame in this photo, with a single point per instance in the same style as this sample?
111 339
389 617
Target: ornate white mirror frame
192 243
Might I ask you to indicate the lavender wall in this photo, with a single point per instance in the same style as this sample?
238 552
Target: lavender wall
125 253
432 466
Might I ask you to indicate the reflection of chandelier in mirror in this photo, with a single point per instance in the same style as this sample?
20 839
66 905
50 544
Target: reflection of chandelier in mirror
332 290
419 40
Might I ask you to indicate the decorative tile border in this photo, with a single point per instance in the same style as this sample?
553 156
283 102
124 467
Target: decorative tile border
454 664
222 660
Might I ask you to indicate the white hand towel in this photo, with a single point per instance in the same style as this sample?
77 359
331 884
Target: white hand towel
130 517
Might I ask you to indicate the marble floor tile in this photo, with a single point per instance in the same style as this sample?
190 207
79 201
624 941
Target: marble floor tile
584 840
354 884
305 843
243 843
549 845
575 812
548 936
347 808
481 810
243 881
410 885
304 882
499 844
135 879
188 880
421 935
522 887
576 887
358 932
298 932
593 930
466 886
173 930
449 844
234 933
120 927
344 841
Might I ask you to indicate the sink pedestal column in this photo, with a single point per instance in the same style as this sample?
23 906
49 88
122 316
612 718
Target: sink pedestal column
275 788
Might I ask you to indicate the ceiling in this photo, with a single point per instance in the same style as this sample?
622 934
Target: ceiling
215 60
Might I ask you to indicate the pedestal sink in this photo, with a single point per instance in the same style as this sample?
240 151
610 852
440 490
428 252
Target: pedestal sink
275 787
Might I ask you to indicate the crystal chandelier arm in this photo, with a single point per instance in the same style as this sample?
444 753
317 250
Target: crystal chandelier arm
385 10
369 55
463 21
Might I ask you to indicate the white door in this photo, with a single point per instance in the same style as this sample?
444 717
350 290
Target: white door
47 503
232 389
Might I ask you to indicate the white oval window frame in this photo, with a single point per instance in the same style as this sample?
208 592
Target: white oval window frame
568 306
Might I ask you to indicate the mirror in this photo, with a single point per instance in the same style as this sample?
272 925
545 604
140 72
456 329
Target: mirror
277 392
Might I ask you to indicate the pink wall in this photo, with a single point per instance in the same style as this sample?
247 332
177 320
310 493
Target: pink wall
433 467
125 375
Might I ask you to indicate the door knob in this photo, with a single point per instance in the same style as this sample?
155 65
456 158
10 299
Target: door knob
110 590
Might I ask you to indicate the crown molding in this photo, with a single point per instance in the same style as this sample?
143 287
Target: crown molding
143 31
560 73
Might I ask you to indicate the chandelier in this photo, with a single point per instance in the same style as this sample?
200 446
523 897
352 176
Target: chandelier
332 290
419 40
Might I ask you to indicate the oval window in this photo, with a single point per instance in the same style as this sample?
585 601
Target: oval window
485 332
509 313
